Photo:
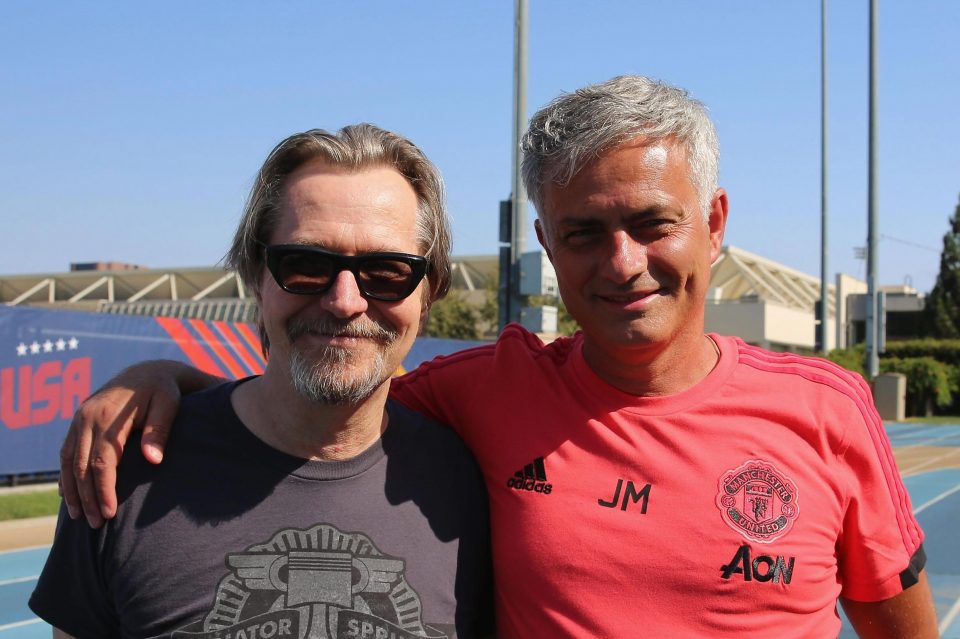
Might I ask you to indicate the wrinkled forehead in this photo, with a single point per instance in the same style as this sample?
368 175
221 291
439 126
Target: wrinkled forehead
639 165
348 211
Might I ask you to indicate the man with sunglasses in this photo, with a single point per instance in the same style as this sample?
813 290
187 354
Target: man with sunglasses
646 479
303 502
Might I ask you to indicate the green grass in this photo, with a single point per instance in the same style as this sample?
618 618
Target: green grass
29 504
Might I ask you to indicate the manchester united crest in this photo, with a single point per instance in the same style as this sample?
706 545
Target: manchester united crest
758 501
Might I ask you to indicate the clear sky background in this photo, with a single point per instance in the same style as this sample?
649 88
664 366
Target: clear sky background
131 131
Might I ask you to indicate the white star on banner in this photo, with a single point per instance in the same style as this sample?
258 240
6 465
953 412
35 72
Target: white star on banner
34 348
61 345
73 341
21 349
48 346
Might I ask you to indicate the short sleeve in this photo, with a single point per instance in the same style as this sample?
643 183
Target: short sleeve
880 550
444 388
71 593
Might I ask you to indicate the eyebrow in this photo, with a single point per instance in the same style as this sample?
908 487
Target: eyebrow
579 222
590 221
325 246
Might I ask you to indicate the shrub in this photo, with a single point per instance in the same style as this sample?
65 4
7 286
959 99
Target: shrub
943 350
929 382
850 358
453 317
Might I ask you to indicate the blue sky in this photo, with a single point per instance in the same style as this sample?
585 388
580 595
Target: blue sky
131 130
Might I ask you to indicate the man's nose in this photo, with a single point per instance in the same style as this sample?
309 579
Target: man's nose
626 259
344 299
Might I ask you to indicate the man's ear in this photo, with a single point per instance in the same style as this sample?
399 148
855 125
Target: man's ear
717 222
542 238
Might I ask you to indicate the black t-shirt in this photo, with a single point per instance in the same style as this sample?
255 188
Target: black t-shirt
230 538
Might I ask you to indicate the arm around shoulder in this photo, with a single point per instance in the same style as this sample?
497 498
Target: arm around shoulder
910 614
145 396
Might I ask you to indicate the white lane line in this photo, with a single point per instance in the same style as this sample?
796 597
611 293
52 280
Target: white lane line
955 609
949 617
940 497
925 431
7 552
19 580
18 624
906 472
947 436
927 442
914 432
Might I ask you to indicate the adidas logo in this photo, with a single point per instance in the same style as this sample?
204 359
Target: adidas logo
532 477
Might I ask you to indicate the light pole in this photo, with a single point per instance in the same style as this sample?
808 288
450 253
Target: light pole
872 363
824 276
513 213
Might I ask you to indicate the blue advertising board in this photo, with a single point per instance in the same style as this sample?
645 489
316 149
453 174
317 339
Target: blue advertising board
51 360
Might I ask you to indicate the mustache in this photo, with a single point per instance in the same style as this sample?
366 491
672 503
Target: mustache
363 328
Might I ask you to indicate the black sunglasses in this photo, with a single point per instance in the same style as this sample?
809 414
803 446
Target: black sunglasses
306 270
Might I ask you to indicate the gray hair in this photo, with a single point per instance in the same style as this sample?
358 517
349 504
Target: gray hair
354 148
575 128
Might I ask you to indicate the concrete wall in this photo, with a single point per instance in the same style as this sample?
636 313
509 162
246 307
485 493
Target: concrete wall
764 323
788 326
741 318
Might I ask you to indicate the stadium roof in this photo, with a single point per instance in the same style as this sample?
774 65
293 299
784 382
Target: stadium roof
737 274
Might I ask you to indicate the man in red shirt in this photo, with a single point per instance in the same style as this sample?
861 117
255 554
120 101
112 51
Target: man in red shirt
646 479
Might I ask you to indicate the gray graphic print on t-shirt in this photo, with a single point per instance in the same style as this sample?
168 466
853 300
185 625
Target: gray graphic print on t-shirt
318 583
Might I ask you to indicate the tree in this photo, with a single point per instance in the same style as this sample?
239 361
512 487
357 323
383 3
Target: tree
476 318
943 303
453 317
